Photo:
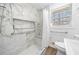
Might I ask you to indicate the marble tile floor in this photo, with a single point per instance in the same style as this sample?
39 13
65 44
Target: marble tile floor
31 50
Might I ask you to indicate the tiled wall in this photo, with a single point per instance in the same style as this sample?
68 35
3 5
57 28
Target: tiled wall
12 44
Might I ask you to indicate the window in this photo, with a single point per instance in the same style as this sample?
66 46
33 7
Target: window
62 16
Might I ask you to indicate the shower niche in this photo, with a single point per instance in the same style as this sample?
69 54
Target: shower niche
23 26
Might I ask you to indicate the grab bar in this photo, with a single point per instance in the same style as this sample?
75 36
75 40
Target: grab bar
59 32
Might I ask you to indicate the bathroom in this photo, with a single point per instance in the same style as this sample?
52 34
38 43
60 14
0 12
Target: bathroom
29 28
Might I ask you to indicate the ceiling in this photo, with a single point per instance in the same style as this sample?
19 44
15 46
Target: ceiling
36 5
40 5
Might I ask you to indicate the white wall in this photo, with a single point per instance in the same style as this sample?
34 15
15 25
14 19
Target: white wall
39 26
25 12
7 20
75 18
